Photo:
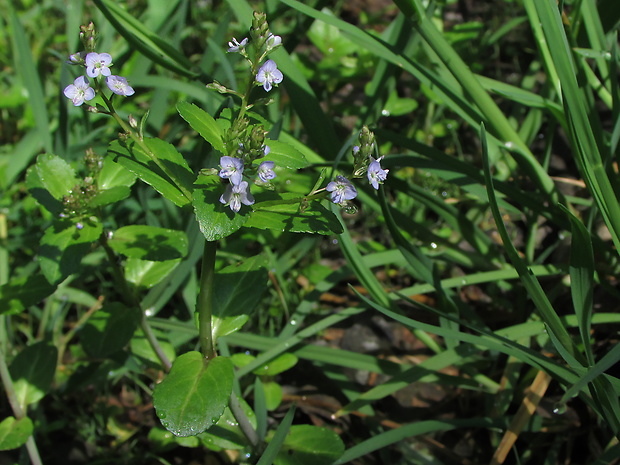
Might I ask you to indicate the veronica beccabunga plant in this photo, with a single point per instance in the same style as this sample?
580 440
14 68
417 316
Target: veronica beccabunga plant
237 186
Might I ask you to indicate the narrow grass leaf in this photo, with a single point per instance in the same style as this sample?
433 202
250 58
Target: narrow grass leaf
582 280
273 448
30 76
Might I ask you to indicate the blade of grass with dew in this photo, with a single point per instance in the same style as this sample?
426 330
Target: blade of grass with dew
479 278
30 77
451 96
356 263
450 357
596 36
407 431
489 340
276 442
583 139
502 129
559 336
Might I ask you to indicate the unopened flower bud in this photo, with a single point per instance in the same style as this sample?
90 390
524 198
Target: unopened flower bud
132 121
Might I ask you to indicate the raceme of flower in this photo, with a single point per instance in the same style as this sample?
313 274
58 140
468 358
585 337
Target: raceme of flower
232 168
119 85
235 195
341 190
235 46
79 91
98 63
376 175
269 74
265 171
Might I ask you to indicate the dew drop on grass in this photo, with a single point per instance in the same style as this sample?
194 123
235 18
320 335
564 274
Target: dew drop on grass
559 408
161 415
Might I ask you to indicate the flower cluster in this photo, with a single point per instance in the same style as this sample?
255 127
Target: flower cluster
238 191
264 43
96 64
342 190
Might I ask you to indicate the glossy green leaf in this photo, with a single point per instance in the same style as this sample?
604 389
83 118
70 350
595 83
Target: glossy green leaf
114 175
273 394
109 329
32 372
109 196
194 394
63 245
20 293
314 219
276 366
14 433
216 220
237 290
145 273
49 180
149 243
204 124
285 155
135 159
309 445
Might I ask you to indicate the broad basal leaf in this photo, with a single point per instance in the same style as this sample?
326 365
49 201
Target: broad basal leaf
195 393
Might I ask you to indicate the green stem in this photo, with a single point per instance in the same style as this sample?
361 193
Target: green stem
130 299
204 304
244 423
18 411
139 141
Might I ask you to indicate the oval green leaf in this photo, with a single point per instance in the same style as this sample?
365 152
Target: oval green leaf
309 445
204 124
63 246
149 243
194 395
145 273
236 293
14 433
109 329
20 293
216 220
32 372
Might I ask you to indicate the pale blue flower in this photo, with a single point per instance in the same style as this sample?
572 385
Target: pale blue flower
232 168
235 195
235 46
273 41
265 171
79 91
98 63
269 74
342 190
118 85
376 175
